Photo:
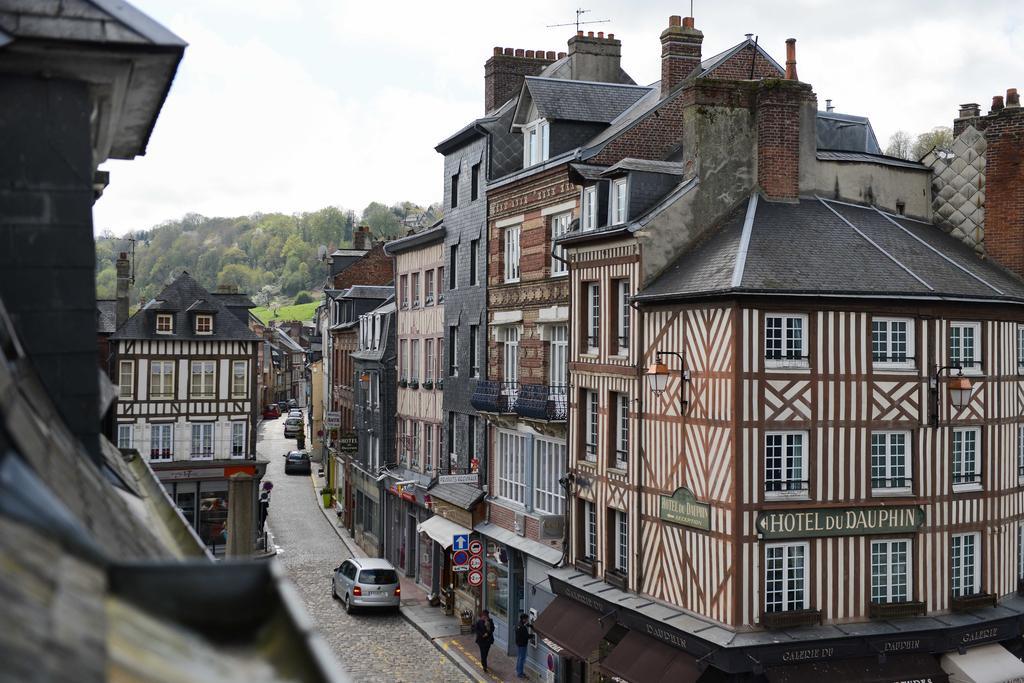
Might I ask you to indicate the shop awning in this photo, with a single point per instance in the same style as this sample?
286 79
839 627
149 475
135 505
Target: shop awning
985 664
641 659
916 667
575 628
441 530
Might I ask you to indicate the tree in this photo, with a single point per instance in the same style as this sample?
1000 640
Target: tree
237 275
900 144
939 138
303 298
382 220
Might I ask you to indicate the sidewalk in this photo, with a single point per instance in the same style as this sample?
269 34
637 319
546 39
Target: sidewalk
439 629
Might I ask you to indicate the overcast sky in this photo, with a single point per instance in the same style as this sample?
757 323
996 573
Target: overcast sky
291 106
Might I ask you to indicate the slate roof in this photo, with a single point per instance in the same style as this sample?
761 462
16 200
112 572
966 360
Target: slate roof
582 100
367 292
106 312
234 300
177 298
285 340
434 234
646 166
464 496
850 251
835 155
845 132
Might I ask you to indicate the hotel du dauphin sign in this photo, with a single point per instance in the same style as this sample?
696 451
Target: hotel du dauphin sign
682 508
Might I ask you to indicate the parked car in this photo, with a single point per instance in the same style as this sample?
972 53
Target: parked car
295 412
292 427
297 461
366 582
292 403
282 405
271 412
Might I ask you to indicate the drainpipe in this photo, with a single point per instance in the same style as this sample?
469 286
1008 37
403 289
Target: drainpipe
570 477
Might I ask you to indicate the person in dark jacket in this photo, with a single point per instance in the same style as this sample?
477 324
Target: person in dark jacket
523 637
484 630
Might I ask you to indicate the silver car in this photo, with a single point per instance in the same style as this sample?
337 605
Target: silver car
366 582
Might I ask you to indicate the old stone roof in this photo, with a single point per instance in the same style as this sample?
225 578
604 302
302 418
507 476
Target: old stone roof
584 101
845 132
178 299
847 250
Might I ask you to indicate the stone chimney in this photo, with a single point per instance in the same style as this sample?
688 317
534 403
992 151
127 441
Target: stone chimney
595 57
124 275
680 52
362 238
505 70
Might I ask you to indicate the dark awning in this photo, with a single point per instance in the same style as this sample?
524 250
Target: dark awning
862 669
640 659
577 629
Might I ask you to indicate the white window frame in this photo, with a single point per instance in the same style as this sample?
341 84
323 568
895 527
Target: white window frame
882 332
164 323
208 319
511 237
428 287
960 562
428 356
238 439
621 455
970 477
202 389
414 445
622 317
536 142
428 446
162 434
619 202
588 209
414 360
510 356
891 560
958 327
126 389
789 485
589 530
788 351
403 360
511 469
164 389
239 390
592 435
558 361
621 542
202 441
549 462
414 284
593 303
559 226
791 572
125 435
885 457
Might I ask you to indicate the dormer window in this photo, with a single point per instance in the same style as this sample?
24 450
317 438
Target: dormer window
535 142
618 201
588 214
164 323
204 324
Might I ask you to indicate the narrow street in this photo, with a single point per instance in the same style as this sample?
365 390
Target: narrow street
371 646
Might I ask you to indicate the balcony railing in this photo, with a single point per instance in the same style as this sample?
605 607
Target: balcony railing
543 402
791 618
786 485
895 610
969 603
882 483
495 397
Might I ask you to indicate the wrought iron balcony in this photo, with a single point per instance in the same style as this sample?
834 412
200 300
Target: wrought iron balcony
969 603
895 610
495 397
543 402
791 618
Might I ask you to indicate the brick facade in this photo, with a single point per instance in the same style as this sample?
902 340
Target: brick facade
737 67
778 139
680 52
374 268
505 70
1004 181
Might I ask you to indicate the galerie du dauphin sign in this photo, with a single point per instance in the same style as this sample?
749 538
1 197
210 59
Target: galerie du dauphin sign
773 524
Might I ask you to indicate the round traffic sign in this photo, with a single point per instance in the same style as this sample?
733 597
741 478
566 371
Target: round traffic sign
460 557
475 578
476 547
476 562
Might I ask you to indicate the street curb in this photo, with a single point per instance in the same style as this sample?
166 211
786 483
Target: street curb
356 551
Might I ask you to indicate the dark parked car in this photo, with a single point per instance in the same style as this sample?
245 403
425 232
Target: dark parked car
271 412
282 405
297 461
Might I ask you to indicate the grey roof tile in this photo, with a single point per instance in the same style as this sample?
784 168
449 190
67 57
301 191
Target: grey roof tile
646 165
840 155
582 100
845 132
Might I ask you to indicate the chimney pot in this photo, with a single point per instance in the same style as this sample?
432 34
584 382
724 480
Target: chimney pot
1012 98
539 54
748 36
590 34
520 52
611 36
529 54
600 34
508 51
579 34
687 22
997 103
497 51
969 109
791 59
674 20
561 55
550 55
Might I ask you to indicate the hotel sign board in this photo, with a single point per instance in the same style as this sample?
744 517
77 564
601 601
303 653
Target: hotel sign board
682 508
776 524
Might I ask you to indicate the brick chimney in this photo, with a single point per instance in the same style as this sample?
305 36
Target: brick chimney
505 70
680 52
124 274
781 139
595 57
362 238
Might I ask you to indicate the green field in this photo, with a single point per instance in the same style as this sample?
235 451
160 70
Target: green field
299 312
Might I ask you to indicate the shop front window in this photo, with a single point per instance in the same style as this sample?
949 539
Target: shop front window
185 499
497 583
213 513
426 568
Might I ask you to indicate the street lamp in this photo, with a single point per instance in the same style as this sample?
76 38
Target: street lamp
364 380
657 375
960 389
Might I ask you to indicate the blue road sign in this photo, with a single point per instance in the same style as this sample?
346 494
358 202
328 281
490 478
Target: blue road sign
460 542
460 557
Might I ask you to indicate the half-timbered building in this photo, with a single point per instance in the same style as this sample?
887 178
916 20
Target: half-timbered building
796 436
187 398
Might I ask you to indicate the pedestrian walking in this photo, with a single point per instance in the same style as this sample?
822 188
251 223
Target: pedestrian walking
523 637
484 630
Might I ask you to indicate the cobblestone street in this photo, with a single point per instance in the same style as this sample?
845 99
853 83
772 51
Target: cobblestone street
371 646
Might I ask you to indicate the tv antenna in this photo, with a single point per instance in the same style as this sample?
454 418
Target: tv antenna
579 13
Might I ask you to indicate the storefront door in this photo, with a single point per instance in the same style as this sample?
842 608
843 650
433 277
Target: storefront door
411 544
